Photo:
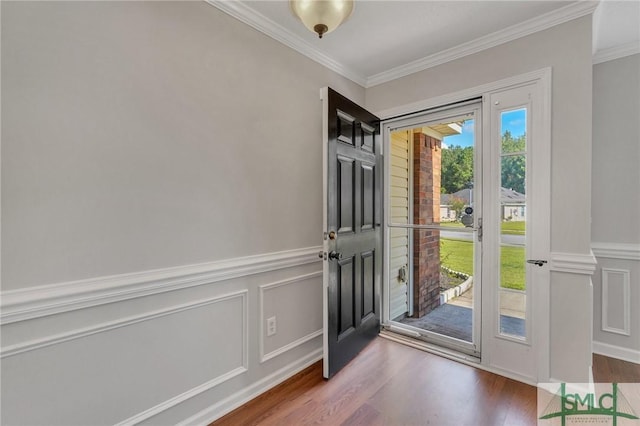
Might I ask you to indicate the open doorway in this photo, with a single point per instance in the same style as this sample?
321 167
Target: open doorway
434 228
498 245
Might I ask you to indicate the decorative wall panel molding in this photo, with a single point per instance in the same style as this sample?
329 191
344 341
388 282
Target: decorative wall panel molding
124 322
262 327
187 365
616 300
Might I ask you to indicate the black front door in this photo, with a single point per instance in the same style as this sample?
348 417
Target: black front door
353 245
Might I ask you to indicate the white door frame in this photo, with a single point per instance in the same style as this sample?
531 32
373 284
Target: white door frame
457 112
542 158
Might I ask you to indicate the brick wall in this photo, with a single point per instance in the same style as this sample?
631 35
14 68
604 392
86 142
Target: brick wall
426 211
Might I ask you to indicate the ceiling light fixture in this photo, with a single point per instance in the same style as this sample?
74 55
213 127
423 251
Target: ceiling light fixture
322 16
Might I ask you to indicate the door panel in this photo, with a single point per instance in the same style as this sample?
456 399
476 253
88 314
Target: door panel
368 283
353 265
346 290
346 192
368 197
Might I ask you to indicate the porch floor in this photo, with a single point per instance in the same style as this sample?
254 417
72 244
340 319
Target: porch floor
454 318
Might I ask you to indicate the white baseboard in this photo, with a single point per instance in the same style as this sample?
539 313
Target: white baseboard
234 401
618 352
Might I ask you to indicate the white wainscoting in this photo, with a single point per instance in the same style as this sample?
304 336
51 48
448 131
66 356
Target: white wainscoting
179 343
616 328
295 326
616 302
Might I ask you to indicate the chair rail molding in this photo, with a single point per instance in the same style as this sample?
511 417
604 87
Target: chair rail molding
573 263
616 250
40 301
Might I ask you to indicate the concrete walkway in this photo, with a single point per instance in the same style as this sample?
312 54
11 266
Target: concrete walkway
512 302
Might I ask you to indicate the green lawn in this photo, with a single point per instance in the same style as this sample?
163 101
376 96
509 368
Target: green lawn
452 224
458 255
513 228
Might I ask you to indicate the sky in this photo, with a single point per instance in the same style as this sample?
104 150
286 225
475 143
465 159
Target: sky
514 121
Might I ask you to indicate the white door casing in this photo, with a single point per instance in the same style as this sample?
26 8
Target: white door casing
525 361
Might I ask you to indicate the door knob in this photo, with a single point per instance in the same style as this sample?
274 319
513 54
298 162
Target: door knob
536 262
334 255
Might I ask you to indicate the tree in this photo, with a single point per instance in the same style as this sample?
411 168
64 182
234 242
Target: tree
457 205
457 165
457 169
514 166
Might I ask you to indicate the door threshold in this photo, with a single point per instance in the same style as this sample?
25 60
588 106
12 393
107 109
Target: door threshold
453 355
430 347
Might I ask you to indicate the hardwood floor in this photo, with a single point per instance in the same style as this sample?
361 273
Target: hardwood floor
393 384
607 370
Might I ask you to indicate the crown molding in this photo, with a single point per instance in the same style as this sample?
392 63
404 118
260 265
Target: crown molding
616 52
258 21
539 23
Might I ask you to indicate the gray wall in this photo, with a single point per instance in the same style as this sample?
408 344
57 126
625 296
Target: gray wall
616 151
567 49
615 230
155 135
151 134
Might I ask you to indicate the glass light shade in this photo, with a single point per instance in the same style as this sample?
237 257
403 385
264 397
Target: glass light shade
322 16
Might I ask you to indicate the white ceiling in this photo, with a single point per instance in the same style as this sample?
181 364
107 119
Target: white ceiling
616 28
384 40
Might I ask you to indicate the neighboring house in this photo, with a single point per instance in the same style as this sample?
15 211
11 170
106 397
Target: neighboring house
513 204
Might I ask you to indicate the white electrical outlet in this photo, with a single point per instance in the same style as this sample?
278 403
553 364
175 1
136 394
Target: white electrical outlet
271 326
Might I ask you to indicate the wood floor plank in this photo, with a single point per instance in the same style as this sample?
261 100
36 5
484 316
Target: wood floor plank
393 384
365 415
608 370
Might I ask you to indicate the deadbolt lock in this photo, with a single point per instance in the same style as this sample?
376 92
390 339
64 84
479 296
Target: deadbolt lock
332 235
